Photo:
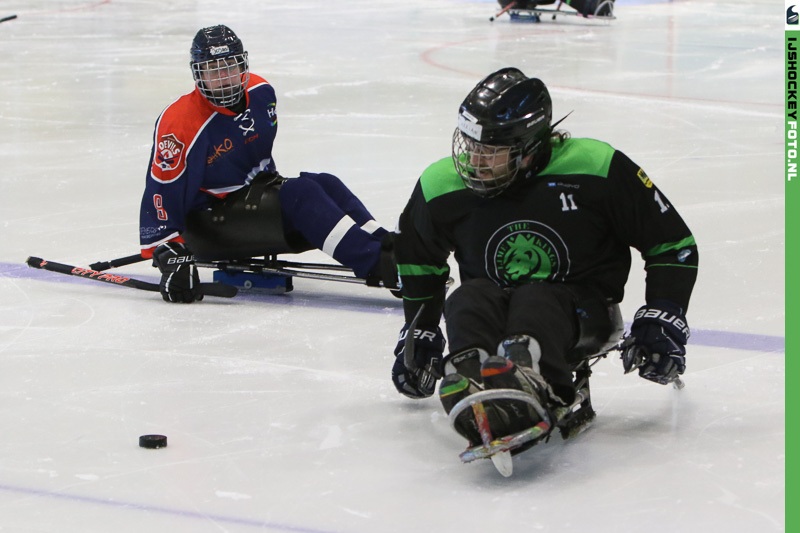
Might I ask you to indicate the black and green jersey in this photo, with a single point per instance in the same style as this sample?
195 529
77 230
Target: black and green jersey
574 222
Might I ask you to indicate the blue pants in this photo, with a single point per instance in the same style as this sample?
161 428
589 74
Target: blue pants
329 216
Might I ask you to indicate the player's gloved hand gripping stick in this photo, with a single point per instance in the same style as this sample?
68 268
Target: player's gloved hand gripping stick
419 358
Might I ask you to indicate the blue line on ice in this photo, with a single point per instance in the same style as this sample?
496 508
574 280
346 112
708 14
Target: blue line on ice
164 510
719 339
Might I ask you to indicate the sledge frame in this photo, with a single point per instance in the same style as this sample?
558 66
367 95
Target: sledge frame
534 14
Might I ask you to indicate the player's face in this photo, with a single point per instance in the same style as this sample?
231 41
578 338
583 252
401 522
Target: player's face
222 75
485 169
489 162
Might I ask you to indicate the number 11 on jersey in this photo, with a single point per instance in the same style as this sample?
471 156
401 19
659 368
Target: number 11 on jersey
567 202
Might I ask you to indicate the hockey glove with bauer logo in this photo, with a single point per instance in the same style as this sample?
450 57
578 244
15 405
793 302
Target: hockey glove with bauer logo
416 376
180 282
656 344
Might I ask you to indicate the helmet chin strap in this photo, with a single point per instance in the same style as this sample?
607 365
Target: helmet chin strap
519 162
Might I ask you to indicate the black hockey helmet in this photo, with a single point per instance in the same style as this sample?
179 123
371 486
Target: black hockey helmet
503 130
219 65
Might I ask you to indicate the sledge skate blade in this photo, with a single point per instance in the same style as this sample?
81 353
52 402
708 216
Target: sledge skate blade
502 462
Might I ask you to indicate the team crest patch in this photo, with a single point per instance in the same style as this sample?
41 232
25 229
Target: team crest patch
168 152
524 251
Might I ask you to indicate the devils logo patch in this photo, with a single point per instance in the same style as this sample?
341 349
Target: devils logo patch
168 152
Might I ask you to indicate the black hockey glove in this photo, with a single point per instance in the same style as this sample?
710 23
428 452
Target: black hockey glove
656 344
419 381
180 282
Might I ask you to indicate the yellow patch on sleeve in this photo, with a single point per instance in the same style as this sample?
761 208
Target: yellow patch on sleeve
642 176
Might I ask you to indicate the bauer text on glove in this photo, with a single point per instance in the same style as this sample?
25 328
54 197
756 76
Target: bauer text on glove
656 344
180 281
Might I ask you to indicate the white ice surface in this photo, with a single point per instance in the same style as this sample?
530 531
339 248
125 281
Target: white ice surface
279 409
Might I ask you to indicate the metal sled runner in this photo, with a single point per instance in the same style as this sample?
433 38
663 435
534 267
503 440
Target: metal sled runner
274 275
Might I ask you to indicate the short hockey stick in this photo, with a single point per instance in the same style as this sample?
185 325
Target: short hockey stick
558 8
120 261
10 17
429 372
408 347
209 289
509 6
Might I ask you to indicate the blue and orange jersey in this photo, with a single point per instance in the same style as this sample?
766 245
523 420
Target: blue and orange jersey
201 152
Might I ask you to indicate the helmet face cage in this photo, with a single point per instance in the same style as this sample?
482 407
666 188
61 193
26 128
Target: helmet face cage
487 170
222 81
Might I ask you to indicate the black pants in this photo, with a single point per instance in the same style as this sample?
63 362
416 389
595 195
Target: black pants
479 314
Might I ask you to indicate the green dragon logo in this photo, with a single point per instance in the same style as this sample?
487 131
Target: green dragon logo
525 257
525 251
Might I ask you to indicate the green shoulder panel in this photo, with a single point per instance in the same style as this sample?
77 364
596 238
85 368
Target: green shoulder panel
440 178
579 156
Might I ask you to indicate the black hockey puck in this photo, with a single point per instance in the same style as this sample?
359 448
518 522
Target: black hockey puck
153 441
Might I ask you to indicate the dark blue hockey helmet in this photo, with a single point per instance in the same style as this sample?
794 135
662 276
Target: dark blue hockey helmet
219 65
504 125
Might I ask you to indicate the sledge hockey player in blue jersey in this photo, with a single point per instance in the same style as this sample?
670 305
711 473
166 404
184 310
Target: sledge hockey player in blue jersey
212 187
542 227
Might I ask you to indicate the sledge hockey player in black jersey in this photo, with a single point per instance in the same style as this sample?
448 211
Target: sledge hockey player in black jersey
213 189
541 225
